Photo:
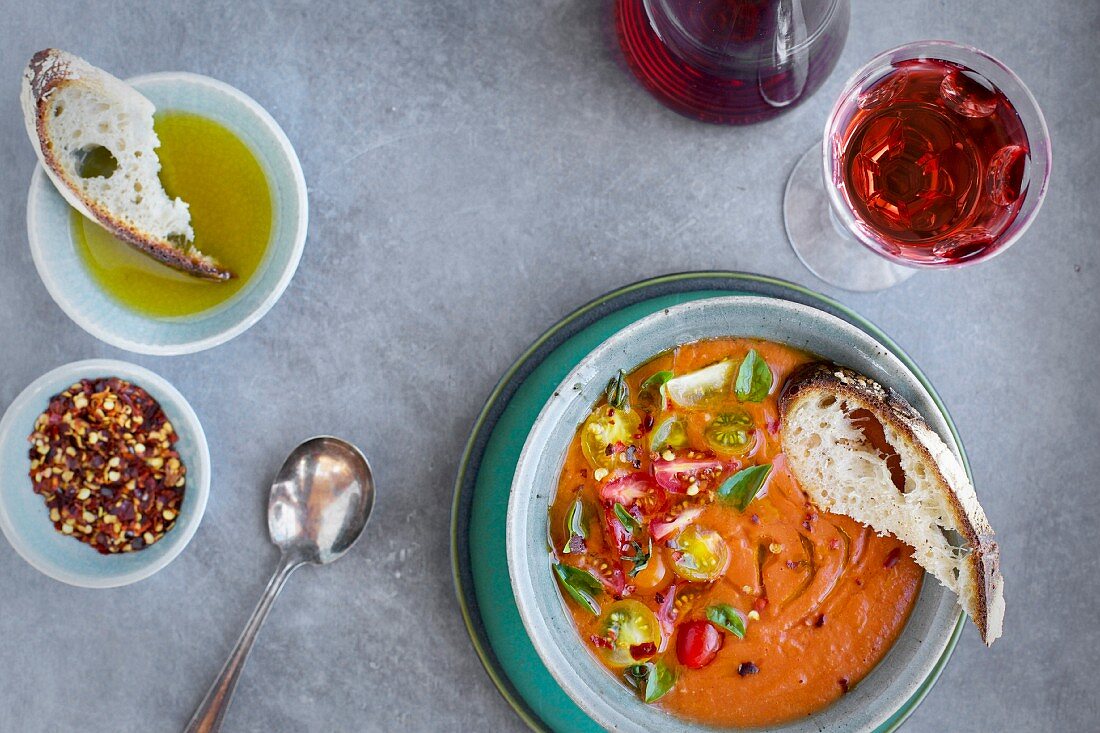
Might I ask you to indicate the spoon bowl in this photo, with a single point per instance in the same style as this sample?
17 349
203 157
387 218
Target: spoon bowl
320 500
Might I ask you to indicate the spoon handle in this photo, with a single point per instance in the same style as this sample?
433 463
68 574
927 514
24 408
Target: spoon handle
208 716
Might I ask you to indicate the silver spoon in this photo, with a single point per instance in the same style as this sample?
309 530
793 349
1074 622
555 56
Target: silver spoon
319 504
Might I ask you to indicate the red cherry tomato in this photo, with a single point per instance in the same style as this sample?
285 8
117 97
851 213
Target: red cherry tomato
698 643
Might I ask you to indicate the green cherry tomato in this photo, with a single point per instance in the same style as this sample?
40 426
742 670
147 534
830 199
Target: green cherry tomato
699 554
632 631
669 433
731 432
696 390
605 427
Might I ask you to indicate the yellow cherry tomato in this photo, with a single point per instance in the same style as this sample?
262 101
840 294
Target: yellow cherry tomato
603 429
629 630
699 554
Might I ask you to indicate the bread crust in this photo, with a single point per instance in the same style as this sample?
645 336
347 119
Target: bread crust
889 407
51 69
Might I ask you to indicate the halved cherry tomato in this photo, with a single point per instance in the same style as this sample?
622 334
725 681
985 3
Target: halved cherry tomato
604 430
676 475
631 628
630 489
697 643
618 536
611 576
731 433
669 433
699 554
702 387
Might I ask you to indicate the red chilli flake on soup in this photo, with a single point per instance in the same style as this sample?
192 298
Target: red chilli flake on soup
103 458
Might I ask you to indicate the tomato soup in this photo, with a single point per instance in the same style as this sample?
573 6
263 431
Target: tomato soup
695 567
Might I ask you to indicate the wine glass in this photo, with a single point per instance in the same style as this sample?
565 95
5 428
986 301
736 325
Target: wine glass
731 61
936 155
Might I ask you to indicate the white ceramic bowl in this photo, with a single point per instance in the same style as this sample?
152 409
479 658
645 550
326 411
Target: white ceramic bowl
49 229
921 650
24 517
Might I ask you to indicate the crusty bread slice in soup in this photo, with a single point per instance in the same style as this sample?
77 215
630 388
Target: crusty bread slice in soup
74 110
860 450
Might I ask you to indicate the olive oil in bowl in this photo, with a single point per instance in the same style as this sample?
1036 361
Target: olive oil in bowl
211 169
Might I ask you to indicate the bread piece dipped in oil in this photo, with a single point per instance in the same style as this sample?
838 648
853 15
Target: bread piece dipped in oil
833 424
78 116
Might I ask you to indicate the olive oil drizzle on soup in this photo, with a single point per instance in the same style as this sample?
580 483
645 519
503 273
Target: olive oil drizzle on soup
663 571
211 169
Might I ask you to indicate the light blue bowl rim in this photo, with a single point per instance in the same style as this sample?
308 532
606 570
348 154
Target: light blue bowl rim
17 423
103 326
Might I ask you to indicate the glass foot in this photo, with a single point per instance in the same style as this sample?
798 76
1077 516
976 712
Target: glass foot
825 249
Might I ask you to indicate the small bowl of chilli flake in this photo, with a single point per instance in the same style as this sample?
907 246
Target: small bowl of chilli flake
104 473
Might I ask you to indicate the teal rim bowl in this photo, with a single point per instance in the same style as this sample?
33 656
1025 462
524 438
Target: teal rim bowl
24 517
75 290
929 632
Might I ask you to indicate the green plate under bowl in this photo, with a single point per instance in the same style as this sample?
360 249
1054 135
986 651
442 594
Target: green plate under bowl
485 477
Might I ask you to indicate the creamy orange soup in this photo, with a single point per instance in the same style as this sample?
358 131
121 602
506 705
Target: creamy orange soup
695 567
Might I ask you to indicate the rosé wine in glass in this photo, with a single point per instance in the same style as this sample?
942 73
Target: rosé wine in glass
935 155
933 161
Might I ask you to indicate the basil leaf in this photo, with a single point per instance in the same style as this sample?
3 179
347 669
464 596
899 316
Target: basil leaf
654 381
625 518
728 617
659 681
618 392
640 559
576 527
740 488
653 385
580 585
754 379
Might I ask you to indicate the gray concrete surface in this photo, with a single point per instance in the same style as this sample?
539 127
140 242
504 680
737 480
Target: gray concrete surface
477 170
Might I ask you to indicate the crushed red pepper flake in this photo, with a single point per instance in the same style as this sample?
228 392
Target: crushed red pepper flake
601 642
103 459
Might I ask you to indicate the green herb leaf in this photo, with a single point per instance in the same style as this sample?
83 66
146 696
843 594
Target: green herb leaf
618 392
653 387
576 528
580 585
728 617
754 379
640 559
628 521
654 381
740 488
659 681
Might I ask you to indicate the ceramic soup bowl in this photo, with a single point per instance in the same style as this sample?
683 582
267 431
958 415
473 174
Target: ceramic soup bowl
896 684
